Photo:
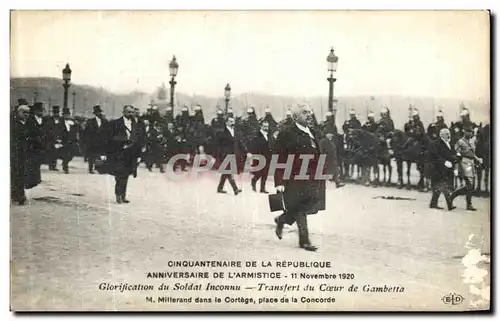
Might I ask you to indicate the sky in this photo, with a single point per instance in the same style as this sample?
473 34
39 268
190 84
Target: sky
422 53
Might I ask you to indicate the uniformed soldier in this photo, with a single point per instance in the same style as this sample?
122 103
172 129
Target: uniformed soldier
415 127
465 147
434 128
353 121
218 122
230 113
169 114
457 129
182 119
287 121
329 126
370 125
386 124
273 124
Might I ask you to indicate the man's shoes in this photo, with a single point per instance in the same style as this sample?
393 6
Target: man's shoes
436 207
253 186
279 228
119 199
309 247
339 184
451 208
237 191
124 200
91 172
221 191
264 191
66 171
471 208
22 200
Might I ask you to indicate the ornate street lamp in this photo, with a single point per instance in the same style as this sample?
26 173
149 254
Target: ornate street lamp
173 67
227 94
67 83
332 61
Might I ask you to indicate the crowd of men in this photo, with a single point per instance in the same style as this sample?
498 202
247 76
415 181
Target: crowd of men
159 136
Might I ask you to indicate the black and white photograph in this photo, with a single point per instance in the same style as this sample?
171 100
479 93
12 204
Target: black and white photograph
258 160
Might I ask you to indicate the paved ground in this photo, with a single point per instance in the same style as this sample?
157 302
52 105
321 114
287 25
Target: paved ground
72 236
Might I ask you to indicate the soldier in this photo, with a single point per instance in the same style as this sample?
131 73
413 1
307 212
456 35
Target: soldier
370 125
353 121
457 129
53 137
329 126
182 119
273 124
328 147
287 121
415 128
434 128
93 137
68 141
466 149
385 124
218 121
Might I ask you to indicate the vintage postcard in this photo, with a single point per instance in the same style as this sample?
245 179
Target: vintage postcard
250 161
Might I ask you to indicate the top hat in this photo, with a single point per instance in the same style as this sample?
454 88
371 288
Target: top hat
97 109
55 109
38 106
22 101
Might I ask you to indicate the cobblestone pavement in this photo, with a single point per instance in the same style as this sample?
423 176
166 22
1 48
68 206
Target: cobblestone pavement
72 236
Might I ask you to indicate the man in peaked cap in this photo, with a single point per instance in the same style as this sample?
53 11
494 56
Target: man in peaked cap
94 137
53 132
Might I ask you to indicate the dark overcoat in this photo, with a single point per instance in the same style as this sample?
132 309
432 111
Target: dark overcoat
439 154
229 145
300 196
35 151
94 137
121 151
259 145
69 141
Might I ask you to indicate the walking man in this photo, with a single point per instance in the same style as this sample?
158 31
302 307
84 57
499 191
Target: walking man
261 144
301 197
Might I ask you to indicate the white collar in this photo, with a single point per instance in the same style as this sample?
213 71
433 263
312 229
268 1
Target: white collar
230 129
304 129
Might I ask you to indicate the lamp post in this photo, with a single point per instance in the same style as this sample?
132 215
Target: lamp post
173 67
227 95
74 102
332 61
67 83
334 110
35 96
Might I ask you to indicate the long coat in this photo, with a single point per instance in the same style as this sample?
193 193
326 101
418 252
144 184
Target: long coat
259 145
329 148
300 196
94 137
25 172
53 135
439 154
229 145
69 141
35 151
122 151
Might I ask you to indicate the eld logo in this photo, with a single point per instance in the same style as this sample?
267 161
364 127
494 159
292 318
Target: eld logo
453 299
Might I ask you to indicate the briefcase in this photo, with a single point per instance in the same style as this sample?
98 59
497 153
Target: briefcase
276 202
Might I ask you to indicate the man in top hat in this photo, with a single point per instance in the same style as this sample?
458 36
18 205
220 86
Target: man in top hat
370 125
434 128
94 140
466 149
68 145
53 131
